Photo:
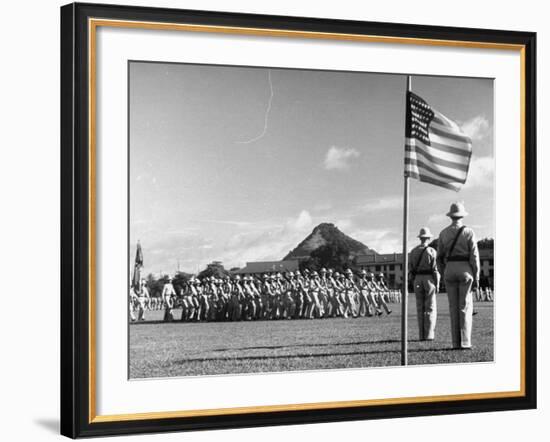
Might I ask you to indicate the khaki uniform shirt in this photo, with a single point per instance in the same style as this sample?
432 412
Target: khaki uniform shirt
428 262
466 246
168 290
144 292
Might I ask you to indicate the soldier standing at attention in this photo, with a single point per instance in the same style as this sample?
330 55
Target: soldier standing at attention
423 266
458 260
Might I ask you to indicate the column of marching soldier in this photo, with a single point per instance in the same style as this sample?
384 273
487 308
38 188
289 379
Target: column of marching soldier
328 293
291 295
235 297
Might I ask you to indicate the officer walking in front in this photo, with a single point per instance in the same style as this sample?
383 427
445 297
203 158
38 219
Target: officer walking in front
168 293
423 267
458 260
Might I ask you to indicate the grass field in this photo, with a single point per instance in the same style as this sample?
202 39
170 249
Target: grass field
181 349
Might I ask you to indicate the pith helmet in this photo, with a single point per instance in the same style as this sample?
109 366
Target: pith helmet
323 270
363 272
349 272
425 233
457 210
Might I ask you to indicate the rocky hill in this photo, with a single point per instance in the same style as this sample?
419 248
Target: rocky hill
327 235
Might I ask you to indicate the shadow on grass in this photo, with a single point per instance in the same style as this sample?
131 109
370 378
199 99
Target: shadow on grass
309 355
328 344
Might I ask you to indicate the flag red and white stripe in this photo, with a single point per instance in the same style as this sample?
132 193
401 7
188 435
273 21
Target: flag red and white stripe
436 149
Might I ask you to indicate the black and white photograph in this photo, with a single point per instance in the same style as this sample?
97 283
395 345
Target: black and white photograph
278 217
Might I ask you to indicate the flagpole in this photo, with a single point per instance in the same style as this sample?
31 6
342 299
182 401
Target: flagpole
405 289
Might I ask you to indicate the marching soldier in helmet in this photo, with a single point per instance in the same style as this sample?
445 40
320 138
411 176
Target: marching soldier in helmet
226 297
289 307
378 292
191 304
373 293
458 259
381 281
340 294
307 303
423 267
168 294
237 295
350 290
255 300
141 300
365 299
133 301
185 305
333 298
249 308
314 308
205 298
323 293
265 296
299 295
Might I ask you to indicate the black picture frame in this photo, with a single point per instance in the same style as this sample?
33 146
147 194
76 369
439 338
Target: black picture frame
76 418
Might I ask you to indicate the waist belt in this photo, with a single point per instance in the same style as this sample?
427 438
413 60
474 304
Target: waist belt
424 272
458 258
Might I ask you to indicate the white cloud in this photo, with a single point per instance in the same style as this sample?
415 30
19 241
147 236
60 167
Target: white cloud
344 224
339 157
269 244
381 240
304 221
481 172
477 128
163 250
232 242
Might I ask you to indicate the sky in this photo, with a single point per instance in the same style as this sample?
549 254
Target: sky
239 164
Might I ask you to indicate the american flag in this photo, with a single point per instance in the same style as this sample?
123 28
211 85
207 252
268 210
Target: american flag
436 149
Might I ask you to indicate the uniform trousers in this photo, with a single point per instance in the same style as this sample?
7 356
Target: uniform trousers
426 306
458 280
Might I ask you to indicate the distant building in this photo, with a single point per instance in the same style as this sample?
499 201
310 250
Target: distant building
487 270
289 265
391 264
